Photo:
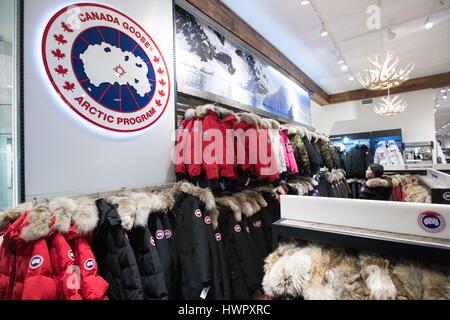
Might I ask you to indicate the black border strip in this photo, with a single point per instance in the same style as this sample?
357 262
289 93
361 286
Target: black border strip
21 131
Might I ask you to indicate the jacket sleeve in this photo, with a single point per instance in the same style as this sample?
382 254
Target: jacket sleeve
182 140
40 283
93 286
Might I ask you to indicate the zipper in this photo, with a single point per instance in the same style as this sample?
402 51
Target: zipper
11 285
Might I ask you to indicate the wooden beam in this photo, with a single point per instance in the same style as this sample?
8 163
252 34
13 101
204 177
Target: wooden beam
430 82
226 18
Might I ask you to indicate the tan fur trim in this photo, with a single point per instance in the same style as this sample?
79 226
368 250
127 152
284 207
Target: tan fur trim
190 114
291 130
435 285
301 132
144 207
39 219
204 195
378 183
308 134
9 216
63 210
249 207
266 190
85 217
203 110
232 205
375 272
408 281
251 119
264 123
257 197
214 215
273 124
314 137
126 210
168 199
285 249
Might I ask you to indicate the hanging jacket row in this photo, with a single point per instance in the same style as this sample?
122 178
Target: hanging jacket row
45 253
214 143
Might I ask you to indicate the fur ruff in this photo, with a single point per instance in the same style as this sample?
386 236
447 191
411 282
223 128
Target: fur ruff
39 220
204 195
190 114
378 183
232 205
85 218
251 119
201 111
63 210
9 216
248 206
214 215
301 131
257 197
126 209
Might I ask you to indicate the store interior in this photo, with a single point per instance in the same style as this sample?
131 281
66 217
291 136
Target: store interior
225 150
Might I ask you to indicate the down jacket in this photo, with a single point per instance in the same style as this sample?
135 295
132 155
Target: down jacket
111 246
301 155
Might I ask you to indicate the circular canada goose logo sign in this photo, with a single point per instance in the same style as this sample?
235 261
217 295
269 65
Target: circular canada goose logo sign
106 67
432 222
36 262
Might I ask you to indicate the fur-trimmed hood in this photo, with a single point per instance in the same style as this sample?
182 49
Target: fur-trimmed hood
379 183
248 205
9 216
204 195
231 204
190 114
250 118
223 113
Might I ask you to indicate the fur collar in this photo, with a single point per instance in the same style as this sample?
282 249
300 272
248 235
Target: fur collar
249 206
39 220
85 218
205 195
126 209
63 210
269 190
251 119
291 130
273 124
223 113
301 131
9 216
214 215
190 114
378 183
257 197
314 137
232 205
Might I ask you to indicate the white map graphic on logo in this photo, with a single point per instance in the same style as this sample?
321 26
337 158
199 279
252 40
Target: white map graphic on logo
106 63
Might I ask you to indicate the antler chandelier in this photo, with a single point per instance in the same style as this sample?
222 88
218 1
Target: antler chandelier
385 75
390 106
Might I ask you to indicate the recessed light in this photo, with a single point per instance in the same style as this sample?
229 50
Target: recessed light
443 90
428 23
351 78
341 61
323 32
445 97
304 2
344 67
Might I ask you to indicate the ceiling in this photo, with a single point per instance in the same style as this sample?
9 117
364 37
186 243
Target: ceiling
295 30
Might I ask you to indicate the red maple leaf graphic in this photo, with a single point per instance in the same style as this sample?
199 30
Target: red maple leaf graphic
158 103
60 39
162 82
58 54
156 59
69 86
162 93
67 27
160 71
61 70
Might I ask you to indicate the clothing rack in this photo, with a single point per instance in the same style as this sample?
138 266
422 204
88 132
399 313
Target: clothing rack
45 199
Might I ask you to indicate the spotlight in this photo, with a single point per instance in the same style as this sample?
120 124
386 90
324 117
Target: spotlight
428 23
344 67
323 32
445 97
351 78
443 90
341 61
304 2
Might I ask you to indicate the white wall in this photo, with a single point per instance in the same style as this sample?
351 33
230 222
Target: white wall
417 121
65 154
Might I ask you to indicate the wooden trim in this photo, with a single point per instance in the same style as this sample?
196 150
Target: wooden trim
227 19
430 82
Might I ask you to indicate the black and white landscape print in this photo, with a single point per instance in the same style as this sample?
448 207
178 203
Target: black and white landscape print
206 60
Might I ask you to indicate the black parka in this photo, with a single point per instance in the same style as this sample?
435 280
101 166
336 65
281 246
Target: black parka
115 256
192 247
314 156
